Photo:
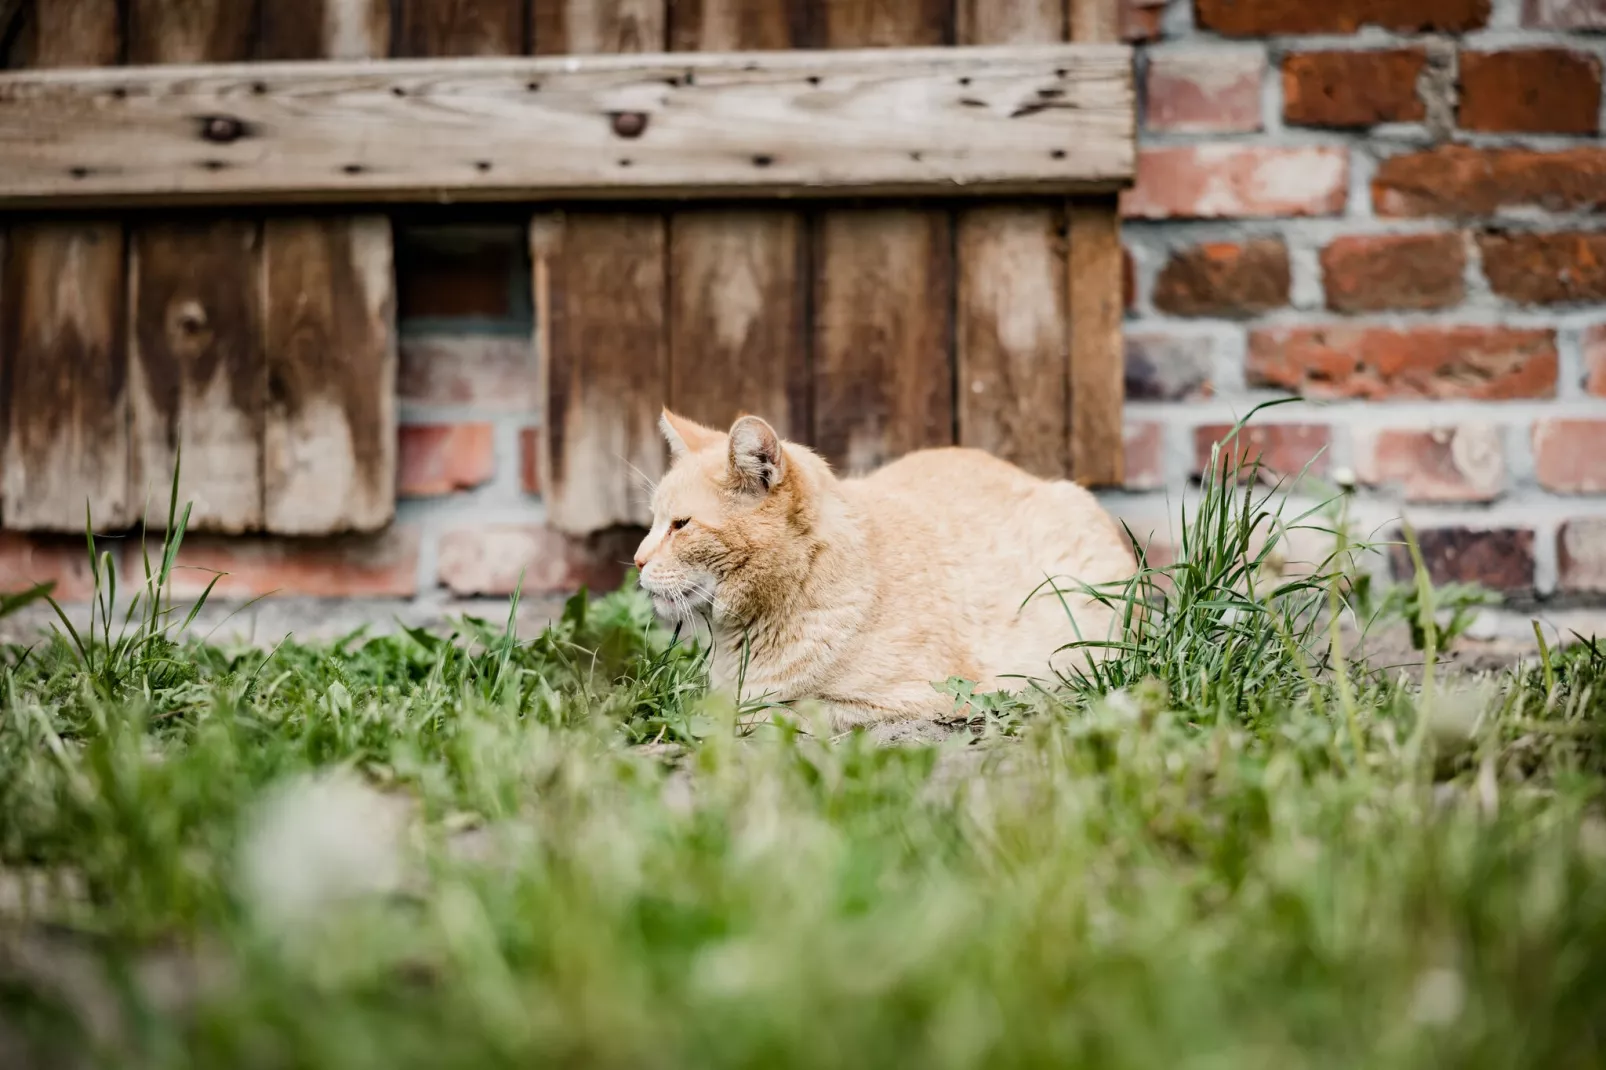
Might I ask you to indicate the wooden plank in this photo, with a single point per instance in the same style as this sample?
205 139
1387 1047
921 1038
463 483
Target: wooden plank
1012 335
600 298
329 444
67 377
461 28
1012 332
738 339
1097 377
600 304
958 121
198 373
63 362
738 278
1098 387
883 286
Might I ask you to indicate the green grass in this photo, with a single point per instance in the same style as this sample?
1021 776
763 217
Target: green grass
1230 846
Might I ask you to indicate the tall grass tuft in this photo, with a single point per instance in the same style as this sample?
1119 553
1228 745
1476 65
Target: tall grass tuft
1221 627
145 638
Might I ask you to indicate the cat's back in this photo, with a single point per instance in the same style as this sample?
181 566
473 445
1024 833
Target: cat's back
965 511
946 480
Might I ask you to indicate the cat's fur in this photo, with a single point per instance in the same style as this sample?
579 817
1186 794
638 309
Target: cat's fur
860 593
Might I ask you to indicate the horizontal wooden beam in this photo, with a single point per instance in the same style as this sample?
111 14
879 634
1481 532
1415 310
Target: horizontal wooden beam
931 121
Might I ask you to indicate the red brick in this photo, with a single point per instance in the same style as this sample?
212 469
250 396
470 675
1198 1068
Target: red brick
384 565
1501 559
1413 271
435 459
457 272
1565 14
1145 454
1204 92
1581 556
1161 366
1595 360
1570 455
27 559
1546 269
1262 18
1226 181
1445 464
1462 180
1530 90
1484 363
1282 449
1140 19
1224 279
530 459
487 559
1353 88
488 371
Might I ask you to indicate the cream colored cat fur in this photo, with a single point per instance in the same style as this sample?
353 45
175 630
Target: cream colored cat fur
858 594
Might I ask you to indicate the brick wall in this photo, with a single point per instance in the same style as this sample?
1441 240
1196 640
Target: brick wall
1393 209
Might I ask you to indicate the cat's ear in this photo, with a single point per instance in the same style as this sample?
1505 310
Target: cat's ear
683 435
757 460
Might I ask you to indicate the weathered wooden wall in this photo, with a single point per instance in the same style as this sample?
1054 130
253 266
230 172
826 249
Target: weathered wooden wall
259 352
263 345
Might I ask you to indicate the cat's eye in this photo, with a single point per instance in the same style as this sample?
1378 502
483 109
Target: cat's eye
676 525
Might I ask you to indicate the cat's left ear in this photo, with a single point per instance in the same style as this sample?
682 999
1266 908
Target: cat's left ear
757 460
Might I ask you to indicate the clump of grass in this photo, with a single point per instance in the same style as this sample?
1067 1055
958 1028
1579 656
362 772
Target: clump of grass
1220 628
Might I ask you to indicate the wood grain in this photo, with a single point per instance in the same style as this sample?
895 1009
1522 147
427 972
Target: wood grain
63 362
591 27
191 31
329 442
600 296
883 289
330 445
1095 20
738 278
199 373
70 33
461 28
738 342
1013 336
883 285
325 29
958 121
737 25
1012 331
1097 384
62 339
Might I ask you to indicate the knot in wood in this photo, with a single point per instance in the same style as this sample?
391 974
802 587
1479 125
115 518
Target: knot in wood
190 318
222 129
629 123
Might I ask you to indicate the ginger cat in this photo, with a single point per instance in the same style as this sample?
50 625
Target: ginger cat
858 594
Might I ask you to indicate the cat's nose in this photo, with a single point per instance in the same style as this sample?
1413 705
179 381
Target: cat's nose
641 562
